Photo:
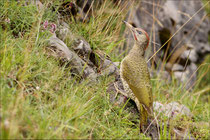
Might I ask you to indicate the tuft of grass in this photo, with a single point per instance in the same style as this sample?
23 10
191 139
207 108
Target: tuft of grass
103 31
20 18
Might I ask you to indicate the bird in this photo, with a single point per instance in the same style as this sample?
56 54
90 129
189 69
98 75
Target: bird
135 76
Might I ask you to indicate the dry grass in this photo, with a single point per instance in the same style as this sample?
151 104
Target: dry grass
40 99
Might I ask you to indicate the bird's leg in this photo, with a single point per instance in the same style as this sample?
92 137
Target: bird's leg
119 91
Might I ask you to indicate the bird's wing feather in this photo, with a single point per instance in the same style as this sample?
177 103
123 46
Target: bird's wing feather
138 79
135 75
144 95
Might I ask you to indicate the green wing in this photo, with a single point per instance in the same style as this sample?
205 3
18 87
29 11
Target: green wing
138 79
136 73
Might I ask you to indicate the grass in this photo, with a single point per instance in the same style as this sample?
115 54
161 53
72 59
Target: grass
40 99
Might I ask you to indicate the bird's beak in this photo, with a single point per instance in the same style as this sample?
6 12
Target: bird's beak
129 26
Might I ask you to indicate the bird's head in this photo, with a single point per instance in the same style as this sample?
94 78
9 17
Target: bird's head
139 35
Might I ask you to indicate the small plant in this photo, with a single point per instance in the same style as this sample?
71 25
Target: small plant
18 18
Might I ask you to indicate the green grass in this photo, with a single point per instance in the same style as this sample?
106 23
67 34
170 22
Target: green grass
40 99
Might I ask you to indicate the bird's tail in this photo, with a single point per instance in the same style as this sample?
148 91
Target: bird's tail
143 118
149 110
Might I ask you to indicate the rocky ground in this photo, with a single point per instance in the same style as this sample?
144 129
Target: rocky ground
178 59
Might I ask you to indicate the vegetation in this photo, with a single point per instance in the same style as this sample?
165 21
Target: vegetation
40 99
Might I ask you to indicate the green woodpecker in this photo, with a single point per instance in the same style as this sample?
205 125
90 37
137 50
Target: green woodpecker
135 76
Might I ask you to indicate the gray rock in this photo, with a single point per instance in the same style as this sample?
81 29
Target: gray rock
177 67
162 74
184 134
108 67
80 54
171 110
116 63
64 33
78 66
188 76
76 43
190 55
179 76
158 107
83 47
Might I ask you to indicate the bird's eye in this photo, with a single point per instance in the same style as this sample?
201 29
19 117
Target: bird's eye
139 32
